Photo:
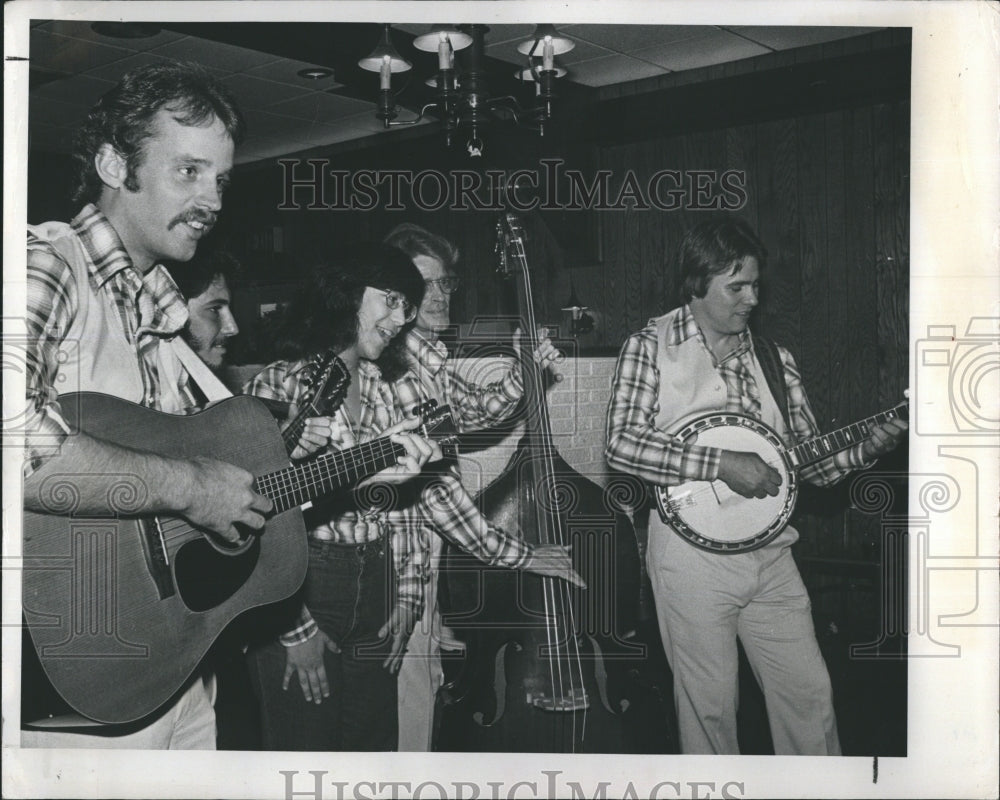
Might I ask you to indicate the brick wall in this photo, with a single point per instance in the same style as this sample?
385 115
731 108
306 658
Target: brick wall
577 404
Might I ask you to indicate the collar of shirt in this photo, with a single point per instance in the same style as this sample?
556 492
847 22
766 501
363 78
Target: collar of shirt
164 312
684 327
428 356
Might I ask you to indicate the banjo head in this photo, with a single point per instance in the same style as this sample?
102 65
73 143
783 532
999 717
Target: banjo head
712 516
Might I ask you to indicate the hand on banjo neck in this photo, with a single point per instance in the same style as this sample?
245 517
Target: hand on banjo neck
749 475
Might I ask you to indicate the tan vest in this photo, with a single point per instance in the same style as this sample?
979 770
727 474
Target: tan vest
690 385
95 355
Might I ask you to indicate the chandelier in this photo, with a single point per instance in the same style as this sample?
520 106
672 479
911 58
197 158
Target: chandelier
463 101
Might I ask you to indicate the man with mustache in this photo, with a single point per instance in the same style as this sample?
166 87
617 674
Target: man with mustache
701 358
153 158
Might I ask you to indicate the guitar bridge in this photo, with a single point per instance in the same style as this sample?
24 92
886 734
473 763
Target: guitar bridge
155 551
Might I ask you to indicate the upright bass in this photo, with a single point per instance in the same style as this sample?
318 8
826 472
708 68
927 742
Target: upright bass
547 666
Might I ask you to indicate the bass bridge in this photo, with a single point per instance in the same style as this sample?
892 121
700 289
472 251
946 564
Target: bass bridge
575 699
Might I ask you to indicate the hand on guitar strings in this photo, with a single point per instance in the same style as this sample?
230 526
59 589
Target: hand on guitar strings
419 451
748 474
306 660
554 561
315 435
220 496
545 354
400 625
884 438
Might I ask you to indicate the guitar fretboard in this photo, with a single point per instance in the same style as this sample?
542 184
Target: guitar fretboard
301 483
813 450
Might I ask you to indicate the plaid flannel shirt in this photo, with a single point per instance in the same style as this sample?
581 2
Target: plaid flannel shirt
474 406
635 445
442 499
432 375
150 309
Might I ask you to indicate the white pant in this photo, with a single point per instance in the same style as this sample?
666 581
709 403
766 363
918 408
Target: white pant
420 677
704 601
189 724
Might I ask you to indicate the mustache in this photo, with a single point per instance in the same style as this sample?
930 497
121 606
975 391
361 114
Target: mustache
205 217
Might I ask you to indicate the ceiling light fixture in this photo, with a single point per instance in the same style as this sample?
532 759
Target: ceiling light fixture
315 73
465 106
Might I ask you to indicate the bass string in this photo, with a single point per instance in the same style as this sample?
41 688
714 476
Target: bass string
566 668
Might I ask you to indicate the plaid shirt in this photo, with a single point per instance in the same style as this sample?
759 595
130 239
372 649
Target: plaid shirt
150 309
442 499
432 375
473 406
636 446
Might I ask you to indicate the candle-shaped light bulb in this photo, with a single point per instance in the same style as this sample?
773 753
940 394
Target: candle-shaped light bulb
385 74
444 52
548 53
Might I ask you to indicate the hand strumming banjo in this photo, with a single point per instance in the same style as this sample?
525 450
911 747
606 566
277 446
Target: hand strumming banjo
712 516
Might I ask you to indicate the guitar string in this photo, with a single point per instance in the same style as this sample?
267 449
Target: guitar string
557 596
804 449
289 487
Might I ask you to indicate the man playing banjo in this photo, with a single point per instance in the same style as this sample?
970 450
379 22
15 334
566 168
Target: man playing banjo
702 358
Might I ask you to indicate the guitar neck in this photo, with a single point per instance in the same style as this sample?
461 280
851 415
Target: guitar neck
820 447
300 483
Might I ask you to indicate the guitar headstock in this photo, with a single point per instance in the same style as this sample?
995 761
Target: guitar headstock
438 424
328 378
510 244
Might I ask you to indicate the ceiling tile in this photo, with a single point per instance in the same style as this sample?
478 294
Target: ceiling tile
716 48
785 37
113 72
224 57
628 38
286 71
582 51
258 93
65 54
83 30
276 126
613 69
80 89
320 106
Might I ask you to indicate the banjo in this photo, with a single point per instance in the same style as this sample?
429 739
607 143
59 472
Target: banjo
712 516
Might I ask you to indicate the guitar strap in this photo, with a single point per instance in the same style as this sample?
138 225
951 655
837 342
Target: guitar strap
213 389
770 363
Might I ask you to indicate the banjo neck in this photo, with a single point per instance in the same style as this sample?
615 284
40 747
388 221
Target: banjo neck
820 447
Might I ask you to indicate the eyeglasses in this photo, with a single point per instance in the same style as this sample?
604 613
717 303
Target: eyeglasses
447 285
394 300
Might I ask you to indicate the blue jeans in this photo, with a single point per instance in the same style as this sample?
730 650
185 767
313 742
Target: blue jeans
347 591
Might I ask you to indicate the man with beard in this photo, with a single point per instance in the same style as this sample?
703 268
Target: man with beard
206 283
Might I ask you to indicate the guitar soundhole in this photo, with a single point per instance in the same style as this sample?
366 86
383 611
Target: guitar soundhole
207 578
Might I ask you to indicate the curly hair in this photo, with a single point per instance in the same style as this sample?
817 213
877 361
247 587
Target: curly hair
712 248
124 116
210 262
324 312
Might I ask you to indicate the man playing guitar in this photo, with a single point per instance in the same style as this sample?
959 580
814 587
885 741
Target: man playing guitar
702 358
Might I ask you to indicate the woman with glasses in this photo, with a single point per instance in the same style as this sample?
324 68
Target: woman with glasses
325 676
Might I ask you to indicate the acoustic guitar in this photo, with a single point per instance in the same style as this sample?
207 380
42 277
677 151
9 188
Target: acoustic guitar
121 609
